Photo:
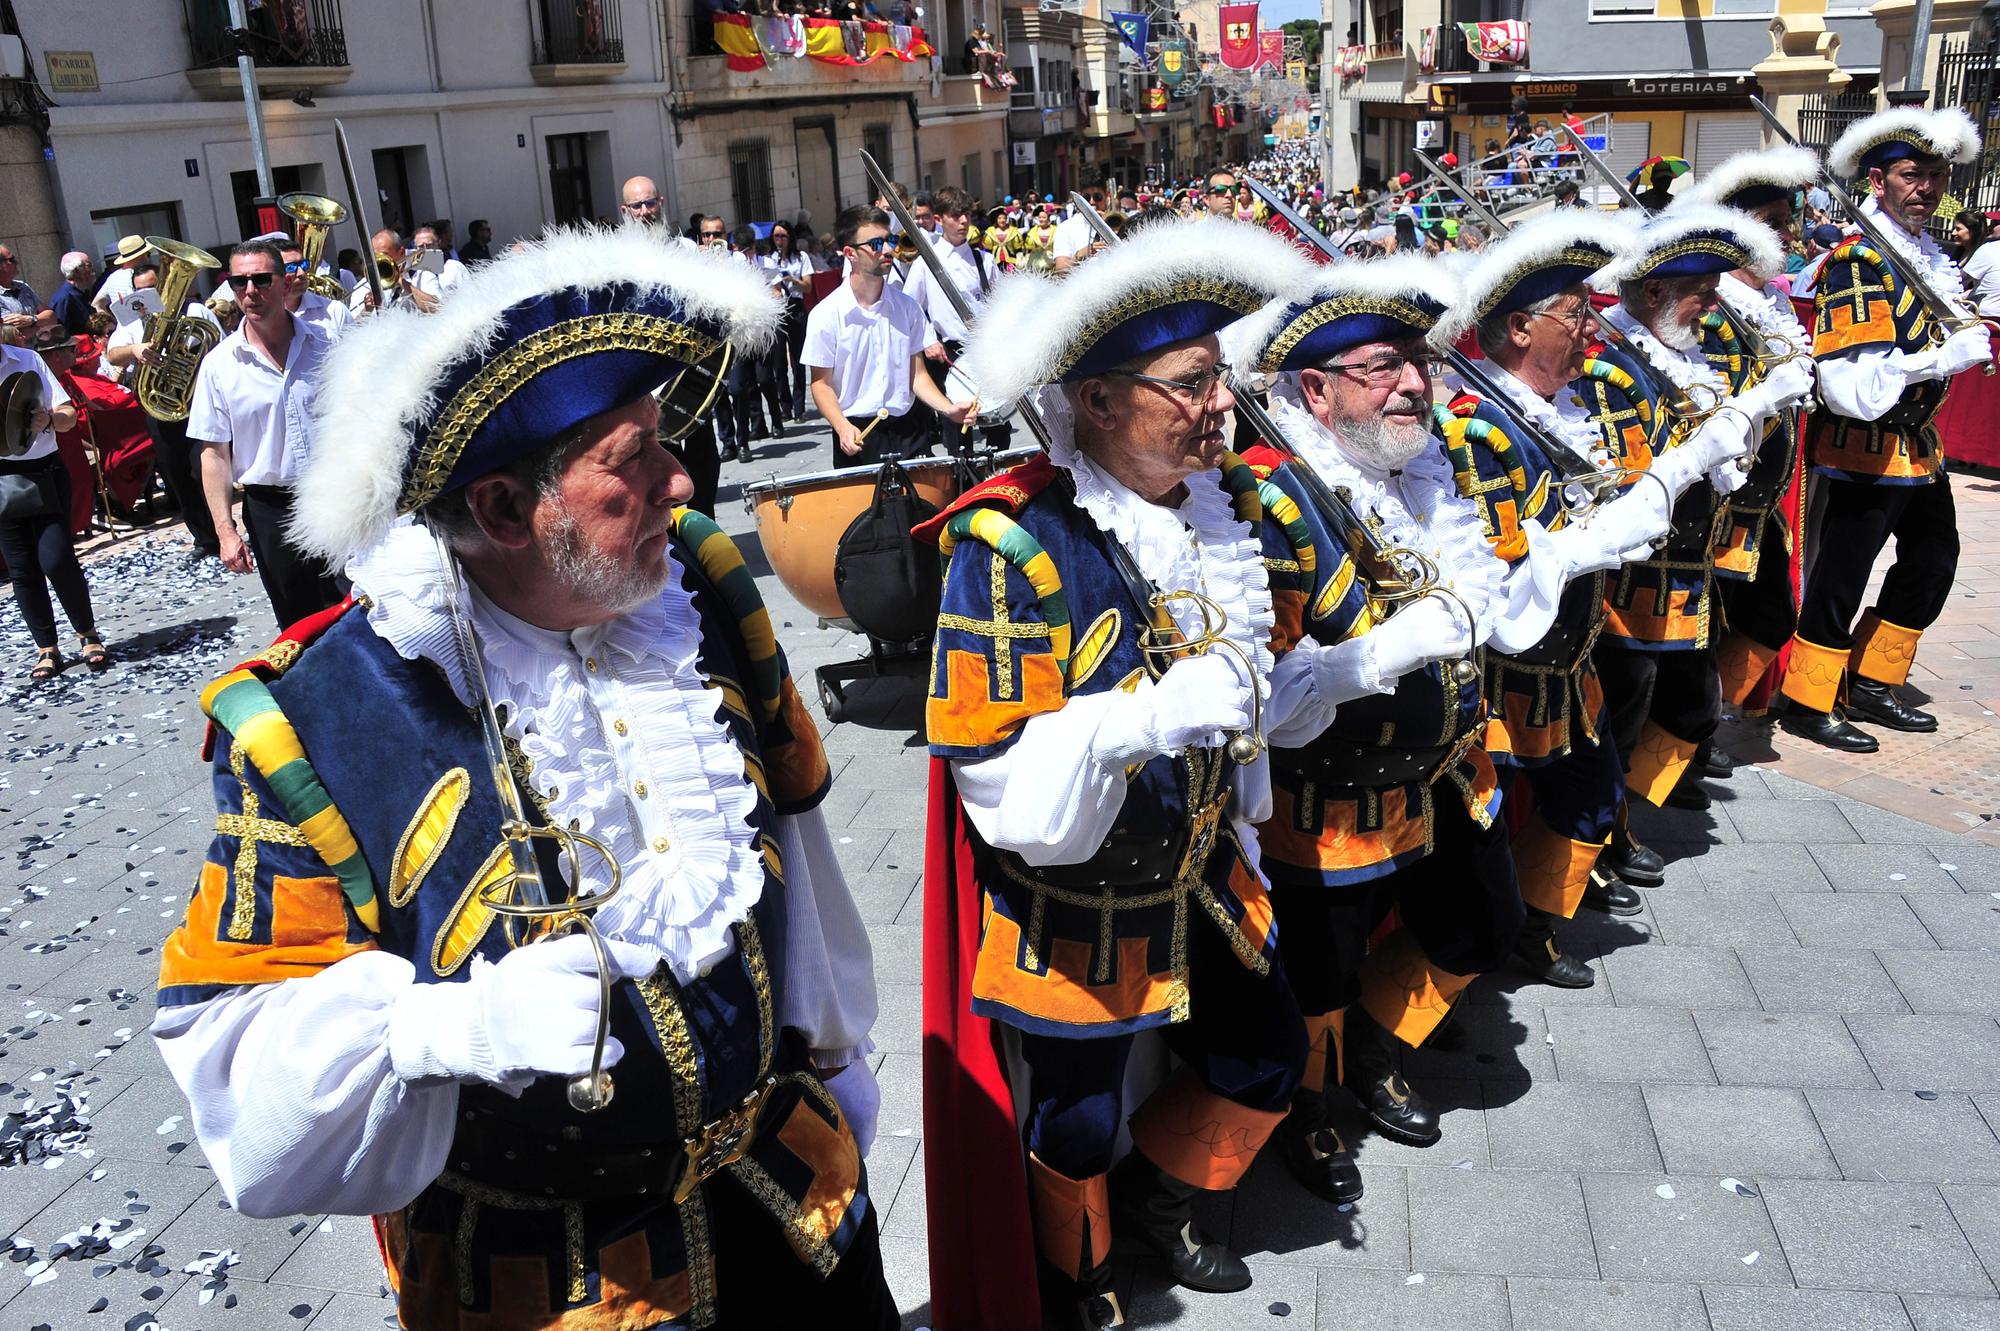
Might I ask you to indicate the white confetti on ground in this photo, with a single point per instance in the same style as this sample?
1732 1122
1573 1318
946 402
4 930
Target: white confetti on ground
1665 1192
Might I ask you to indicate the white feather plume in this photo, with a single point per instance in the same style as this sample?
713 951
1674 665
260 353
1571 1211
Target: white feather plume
1948 131
1531 245
1397 276
1766 253
381 379
1787 166
1030 322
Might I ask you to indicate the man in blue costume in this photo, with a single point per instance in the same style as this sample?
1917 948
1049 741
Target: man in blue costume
357 1027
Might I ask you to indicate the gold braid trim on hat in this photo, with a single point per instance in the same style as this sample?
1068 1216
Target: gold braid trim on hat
1925 145
1216 290
1720 246
1569 256
1321 313
511 370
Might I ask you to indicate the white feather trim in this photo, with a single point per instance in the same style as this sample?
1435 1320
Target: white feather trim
1787 166
1030 323
1534 244
381 379
1759 242
1948 131
1399 276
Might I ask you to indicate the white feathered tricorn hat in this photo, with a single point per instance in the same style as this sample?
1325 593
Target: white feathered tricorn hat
1753 179
1171 282
1692 240
1906 131
1536 260
1346 305
411 406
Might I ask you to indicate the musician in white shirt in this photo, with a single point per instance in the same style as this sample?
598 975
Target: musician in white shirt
330 318
972 272
450 271
414 287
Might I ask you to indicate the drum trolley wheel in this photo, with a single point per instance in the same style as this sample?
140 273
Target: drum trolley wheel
900 660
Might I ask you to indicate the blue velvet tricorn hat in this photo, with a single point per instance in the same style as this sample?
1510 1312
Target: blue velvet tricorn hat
1694 240
1540 258
408 407
1347 305
1905 131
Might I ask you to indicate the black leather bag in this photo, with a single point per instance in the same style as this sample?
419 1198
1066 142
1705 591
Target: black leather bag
889 584
26 494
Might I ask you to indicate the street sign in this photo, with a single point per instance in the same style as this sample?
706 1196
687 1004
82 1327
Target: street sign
71 71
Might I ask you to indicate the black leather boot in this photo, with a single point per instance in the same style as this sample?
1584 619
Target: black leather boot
1313 1150
1829 729
1375 1076
1714 761
1878 705
1625 858
1688 792
1088 1303
1612 895
1535 952
1154 1211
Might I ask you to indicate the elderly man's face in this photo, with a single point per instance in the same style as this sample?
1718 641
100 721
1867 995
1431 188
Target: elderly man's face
605 535
641 199
1680 305
1546 349
85 274
1376 399
1169 424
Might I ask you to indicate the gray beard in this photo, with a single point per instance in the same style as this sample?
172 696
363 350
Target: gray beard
593 575
1681 337
1373 441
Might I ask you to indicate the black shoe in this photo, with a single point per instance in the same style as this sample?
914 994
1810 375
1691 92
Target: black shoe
1313 1150
1088 1303
1374 1075
1625 858
1878 705
1612 895
1829 729
743 455
1688 793
1714 761
1535 952
1153 1210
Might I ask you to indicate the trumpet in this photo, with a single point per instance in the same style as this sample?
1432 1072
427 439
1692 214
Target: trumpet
317 216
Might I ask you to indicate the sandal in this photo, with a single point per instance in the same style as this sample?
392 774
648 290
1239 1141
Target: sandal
48 665
94 654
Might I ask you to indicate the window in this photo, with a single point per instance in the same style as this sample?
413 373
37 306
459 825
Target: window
934 175
1621 8
1746 6
569 177
968 176
402 183
750 181
875 141
149 219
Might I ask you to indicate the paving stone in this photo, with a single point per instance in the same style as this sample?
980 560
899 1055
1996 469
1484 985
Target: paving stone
1700 1235
1938 1053
1628 1044
1896 1237
1570 1125
270 1307
906 1266
356 1312
1783 1049
1946 981
1726 919
1506 1039
1393 1301
1820 979
1977 1209
1743 1130
1694 829
64 1303
1880 826
339 1253
1614 1305
900 1079
1898 1136
1954 922
1275 1217
881 897
899 952
263 1244
1743 1309
1762 866
1943 1312
1801 822
1499 1222
896 1181
165 1189
1976 867
1670 976
1290 1293
898 1018
129 1125
1855 919
1893 868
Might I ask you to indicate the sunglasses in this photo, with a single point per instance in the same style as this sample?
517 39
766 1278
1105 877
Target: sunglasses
878 244
1222 189
638 204
715 235
296 266
244 281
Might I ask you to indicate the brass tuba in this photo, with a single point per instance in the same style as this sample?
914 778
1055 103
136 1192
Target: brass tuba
166 389
317 216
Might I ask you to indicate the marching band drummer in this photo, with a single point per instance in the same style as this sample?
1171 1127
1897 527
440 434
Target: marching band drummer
1114 888
1655 657
973 272
354 1028
1877 463
1752 565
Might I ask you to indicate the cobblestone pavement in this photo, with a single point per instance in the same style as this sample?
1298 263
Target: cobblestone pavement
1775 1110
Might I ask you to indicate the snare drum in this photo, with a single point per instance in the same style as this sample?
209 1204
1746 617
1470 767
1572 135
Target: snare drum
800 520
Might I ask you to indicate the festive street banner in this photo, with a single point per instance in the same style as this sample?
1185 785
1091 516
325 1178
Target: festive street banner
1427 52
1173 63
824 41
1271 50
1350 63
1156 99
1132 30
1500 43
1295 72
1239 36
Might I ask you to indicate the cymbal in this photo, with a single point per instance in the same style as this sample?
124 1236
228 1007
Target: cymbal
20 399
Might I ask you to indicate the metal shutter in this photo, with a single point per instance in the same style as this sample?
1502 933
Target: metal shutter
1715 137
1631 144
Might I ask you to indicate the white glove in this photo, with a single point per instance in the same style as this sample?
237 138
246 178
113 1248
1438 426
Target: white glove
859 1096
534 1013
1431 629
1599 541
1962 351
1197 699
1787 384
1723 438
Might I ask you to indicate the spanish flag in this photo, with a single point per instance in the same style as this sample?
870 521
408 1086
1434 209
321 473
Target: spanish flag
824 41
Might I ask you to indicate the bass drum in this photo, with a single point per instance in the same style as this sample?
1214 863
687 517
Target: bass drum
800 520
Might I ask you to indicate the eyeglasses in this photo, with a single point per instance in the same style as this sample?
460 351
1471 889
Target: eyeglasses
1572 318
1222 189
638 205
878 244
1196 390
1388 369
714 235
244 281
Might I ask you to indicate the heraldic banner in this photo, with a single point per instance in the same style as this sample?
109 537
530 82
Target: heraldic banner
1132 30
1239 36
1173 63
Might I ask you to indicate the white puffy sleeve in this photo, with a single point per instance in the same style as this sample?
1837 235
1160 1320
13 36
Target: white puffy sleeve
1048 797
828 994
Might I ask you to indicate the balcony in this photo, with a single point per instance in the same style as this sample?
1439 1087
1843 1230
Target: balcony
577 41
1449 53
302 46
1034 115
746 57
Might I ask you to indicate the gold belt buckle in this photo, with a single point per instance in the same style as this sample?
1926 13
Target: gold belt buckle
721 1143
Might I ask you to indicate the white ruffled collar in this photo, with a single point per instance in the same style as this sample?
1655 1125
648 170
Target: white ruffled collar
1566 418
1768 308
1920 249
1685 368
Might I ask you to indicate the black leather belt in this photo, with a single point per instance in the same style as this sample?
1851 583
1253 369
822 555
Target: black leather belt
1124 858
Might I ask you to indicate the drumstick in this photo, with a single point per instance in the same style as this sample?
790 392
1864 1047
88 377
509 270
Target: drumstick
971 415
880 416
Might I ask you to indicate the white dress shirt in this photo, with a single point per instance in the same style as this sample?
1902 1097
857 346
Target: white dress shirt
133 331
357 299
451 275
329 318
972 271
1073 236
16 360
261 410
868 348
